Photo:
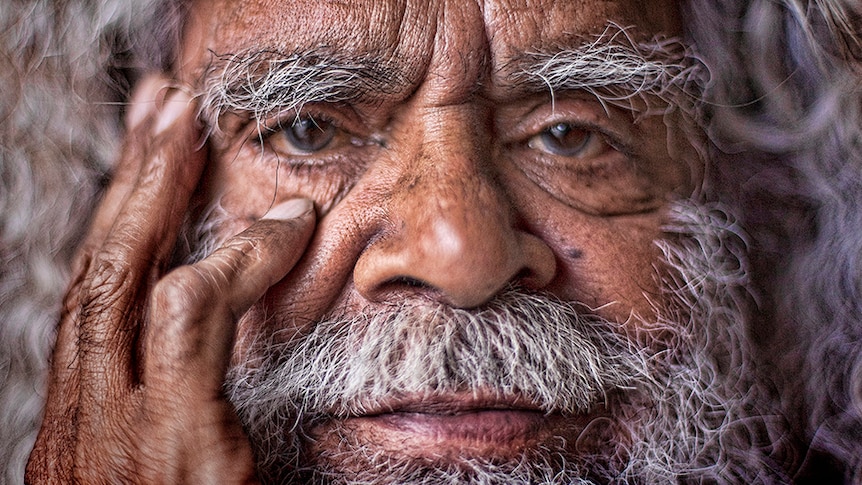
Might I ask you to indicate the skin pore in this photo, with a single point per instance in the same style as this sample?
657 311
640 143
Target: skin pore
443 181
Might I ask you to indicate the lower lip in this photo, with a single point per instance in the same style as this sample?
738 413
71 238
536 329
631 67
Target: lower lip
490 426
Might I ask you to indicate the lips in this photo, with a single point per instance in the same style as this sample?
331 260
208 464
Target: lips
447 425
476 425
454 430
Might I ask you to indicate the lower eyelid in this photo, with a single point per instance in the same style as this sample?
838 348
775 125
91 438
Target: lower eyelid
609 184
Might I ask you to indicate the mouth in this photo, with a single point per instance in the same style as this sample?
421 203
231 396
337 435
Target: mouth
448 426
474 427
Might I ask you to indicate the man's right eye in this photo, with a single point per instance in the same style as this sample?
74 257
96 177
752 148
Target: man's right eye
322 138
304 136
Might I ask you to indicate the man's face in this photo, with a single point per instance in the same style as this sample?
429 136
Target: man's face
446 170
475 166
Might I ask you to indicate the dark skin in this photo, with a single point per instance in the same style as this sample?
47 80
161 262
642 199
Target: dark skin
149 431
135 390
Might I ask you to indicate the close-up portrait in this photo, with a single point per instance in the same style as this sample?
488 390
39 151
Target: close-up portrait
431 242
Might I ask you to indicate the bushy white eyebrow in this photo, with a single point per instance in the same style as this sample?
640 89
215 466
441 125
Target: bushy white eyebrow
266 82
614 68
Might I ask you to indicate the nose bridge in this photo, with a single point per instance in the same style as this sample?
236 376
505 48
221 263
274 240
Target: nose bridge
451 225
453 206
449 164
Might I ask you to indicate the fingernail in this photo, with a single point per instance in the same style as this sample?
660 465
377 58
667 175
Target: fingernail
143 100
290 209
136 114
175 105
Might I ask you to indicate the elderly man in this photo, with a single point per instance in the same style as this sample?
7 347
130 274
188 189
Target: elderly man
412 242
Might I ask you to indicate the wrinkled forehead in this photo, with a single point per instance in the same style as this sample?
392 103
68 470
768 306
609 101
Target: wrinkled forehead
420 36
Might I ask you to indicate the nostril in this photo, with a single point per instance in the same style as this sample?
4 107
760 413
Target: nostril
401 283
407 281
529 279
524 274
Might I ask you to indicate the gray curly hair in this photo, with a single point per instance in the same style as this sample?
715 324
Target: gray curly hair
65 68
786 118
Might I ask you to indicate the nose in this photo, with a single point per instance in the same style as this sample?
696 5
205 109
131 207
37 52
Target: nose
450 230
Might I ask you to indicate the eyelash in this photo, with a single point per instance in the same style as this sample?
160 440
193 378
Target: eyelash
611 139
267 134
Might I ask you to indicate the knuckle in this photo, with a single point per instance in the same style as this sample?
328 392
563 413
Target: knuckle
182 304
223 266
176 309
239 252
182 292
154 174
107 284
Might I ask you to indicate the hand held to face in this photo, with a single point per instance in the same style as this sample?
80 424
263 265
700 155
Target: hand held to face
135 390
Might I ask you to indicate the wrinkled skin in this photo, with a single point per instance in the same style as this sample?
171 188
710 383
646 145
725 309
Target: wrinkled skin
450 196
132 336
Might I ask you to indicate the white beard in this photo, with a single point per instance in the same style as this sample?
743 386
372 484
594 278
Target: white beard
688 403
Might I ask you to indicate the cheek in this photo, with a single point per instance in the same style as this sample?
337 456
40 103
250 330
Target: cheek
606 263
243 191
245 183
609 264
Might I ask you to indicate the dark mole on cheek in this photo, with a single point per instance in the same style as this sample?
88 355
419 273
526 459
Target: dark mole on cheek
574 253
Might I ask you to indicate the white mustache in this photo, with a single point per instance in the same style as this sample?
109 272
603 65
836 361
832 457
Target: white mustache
531 347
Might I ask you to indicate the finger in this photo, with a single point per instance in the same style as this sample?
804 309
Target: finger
261 255
146 226
143 107
195 308
47 457
136 244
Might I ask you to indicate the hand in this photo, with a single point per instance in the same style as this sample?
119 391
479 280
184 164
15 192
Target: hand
135 388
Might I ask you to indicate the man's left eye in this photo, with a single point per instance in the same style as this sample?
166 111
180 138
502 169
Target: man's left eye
567 140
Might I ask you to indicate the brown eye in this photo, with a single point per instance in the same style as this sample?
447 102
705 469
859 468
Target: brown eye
565 140
309 135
